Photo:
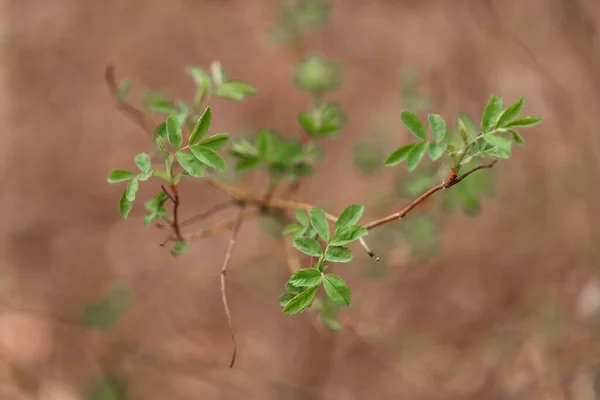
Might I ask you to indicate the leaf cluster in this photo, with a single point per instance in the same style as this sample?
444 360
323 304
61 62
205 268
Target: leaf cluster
498 130
301 289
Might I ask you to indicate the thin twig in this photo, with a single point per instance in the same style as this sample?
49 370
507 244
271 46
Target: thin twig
176 203
167 193
131 112
445 185
220 226
234 234
206 214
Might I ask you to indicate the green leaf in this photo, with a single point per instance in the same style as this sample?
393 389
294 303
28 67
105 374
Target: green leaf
301 301
201 127
203 83
497 140
315 75
120 175
348 235
438 127
318 220
436 150
215 142
337 290
308 246
142 160
511 112
174 133
416 155
285 298
132 189
179 248
349 217
263 142
306 277
162 107
400 154
235 90
338 254
517 138
189 163
413 124
217 73
209 157
524 122
293 289
491 113
125 205
332 324
247 164
302 217
243 148
292 228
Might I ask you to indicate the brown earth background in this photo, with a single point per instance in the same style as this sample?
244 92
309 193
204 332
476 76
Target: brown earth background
505 310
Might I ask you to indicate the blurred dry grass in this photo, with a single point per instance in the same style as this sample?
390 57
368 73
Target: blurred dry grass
506 311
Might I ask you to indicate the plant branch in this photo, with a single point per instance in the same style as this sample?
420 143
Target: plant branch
164 189
208 213
176 203
131 112
445 185
220 226
234 234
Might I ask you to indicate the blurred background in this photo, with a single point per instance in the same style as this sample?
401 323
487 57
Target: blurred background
491 290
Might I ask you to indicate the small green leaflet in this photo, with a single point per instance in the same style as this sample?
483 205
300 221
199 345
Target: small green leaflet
120 175
235 90
348 235
178 248
518 139
436 150
209 157
285 298
498 141
306 277
308 246
319 222
415 156
201 127
337 290
524 122
132 189
338 254
399 155
301 301
413 124
491 113
142 160
125 205
438 127
174 133
349 217
302 217
511 112
189 163
215 142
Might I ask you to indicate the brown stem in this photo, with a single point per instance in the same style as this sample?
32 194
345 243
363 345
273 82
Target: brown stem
220 226
131 112
208 213
445 185
176 203
234 234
